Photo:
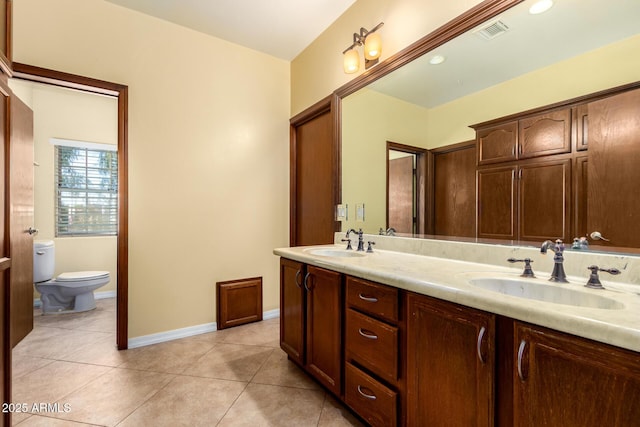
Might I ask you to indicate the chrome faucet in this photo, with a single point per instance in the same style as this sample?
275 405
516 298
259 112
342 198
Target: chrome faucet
360 238
557 275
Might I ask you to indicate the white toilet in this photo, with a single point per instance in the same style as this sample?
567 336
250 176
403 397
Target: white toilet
69 292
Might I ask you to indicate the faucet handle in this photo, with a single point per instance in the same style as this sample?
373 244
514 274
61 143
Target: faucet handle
369 247
594 280
348 243
528 271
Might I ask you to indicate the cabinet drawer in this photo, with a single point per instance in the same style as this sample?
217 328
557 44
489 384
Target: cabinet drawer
378 300
373 401
373 344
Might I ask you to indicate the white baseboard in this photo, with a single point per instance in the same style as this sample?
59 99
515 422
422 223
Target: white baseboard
97 295
186 332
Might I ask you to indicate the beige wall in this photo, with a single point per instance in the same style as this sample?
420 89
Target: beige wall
208 150
68 114
317 71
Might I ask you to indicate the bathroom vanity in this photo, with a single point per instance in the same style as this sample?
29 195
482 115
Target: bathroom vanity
407 339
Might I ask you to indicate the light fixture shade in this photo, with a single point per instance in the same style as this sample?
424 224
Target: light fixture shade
351 61
372 46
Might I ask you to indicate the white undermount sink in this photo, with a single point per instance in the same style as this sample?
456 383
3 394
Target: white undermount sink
337 253
556 293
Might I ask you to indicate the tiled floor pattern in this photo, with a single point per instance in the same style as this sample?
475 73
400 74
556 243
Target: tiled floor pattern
234 377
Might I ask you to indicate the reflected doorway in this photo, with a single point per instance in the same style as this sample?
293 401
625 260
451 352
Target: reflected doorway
407 188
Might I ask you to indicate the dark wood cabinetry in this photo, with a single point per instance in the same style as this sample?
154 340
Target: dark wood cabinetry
450 364
497 206
498 143
454 192
562 380
614 157
311 320
373 372
544 134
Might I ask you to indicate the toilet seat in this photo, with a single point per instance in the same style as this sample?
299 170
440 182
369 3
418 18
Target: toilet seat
78 276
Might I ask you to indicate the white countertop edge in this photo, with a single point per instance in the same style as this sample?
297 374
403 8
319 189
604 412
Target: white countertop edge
411 272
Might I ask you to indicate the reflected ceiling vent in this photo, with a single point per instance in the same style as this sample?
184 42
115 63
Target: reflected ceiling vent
492 30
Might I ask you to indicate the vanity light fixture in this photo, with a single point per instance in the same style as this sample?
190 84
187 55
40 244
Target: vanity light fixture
372 43
540 6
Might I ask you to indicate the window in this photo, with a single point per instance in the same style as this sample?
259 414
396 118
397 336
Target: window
87 190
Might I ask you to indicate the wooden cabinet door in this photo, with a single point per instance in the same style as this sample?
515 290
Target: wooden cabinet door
562 380
580 126
455 192
292 309
324 327
614 172
497 202
497 143
544 200
450 364
544 134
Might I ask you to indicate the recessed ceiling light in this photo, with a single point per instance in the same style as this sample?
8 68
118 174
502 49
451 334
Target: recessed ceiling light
436 59
540 6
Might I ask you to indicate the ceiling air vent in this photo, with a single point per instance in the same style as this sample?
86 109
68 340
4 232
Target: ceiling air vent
492 30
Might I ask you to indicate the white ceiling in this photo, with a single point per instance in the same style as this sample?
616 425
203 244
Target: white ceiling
281 28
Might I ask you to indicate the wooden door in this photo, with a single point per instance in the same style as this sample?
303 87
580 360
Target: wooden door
324 327
292 309
450 364
614 172
497 202
314 176
562 380
455 191
20 198
544 200
402 194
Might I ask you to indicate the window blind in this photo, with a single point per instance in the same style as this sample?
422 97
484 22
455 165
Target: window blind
87 191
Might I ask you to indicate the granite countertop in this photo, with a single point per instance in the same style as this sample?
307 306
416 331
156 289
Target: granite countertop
450 280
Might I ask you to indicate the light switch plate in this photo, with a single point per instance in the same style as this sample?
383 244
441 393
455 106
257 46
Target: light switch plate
360 212
342 212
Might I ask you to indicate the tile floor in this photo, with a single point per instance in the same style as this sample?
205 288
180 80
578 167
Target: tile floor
235 377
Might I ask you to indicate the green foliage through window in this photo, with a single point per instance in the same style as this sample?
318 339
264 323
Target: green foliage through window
87 192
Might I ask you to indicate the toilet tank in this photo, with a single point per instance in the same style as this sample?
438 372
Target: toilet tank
44 260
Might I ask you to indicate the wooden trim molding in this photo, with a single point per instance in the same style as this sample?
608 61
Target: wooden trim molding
73 81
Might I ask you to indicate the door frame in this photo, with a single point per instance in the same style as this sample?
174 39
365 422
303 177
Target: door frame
423 197
121 92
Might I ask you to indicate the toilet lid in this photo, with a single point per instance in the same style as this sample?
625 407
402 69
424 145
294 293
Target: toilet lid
81 275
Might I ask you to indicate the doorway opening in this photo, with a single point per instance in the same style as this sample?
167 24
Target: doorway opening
120 92
407 188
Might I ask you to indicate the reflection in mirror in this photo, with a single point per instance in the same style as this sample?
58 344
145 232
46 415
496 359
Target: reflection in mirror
576 48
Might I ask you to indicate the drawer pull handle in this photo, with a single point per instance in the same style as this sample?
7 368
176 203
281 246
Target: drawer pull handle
306 282
367 395
367 299
367 334
479 344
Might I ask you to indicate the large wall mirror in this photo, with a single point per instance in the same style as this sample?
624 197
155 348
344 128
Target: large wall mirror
514 62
